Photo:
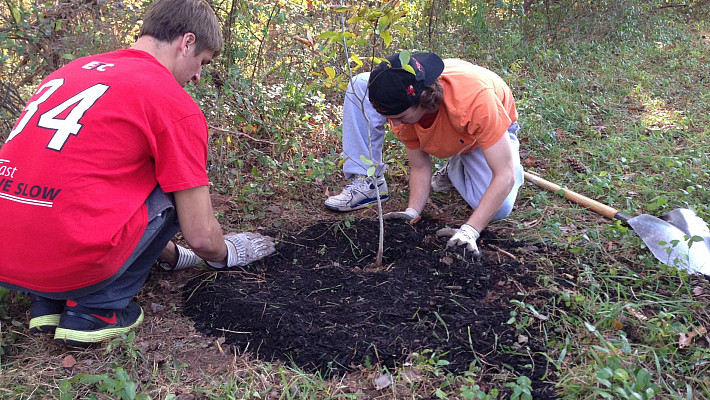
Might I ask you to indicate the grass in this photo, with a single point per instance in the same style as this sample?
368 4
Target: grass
623 90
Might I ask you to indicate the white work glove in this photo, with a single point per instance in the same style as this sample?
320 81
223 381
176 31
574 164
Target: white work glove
245 248
464 236
186 259
410 215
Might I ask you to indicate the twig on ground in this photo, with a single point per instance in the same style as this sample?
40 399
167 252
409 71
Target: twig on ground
434 206
496 248
537 221
241 134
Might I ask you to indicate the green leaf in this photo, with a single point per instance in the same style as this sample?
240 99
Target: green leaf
643 378
383 23
605 395
16 15
129 391
371 171
65 389
689 391
604 373
365 160
387 37
404 57
356 59
621 392
90 379
328 35
330 71
621 374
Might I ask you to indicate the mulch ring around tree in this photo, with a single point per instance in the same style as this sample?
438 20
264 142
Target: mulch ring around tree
320 304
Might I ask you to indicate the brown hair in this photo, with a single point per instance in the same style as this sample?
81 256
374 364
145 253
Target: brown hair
432 96
166 20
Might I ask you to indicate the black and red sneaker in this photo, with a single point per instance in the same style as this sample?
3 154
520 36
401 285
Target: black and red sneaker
83 326
44 314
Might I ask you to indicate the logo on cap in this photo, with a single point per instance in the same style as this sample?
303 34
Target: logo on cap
411 91
419 66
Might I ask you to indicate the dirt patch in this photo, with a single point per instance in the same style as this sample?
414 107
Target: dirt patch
320 304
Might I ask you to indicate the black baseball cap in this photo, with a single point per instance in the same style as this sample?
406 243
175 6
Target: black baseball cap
393 89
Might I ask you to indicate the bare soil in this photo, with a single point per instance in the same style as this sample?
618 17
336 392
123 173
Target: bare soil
320 303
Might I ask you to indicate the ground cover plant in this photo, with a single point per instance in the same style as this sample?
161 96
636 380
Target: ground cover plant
613 102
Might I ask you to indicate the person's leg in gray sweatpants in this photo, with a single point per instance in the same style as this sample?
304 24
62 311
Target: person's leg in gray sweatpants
363 134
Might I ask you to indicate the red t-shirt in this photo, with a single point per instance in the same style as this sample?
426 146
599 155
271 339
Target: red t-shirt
477 109
93 142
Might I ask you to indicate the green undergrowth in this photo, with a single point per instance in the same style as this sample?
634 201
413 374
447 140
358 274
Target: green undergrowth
613 102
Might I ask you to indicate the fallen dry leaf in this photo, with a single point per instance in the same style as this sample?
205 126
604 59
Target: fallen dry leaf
686 339
539 316
636 313
560 134
382 382
273 209
307 42
447 260
413 374
529 161
618 325
69 361
698 291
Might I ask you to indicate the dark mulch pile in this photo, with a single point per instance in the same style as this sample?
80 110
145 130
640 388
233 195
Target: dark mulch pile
320 304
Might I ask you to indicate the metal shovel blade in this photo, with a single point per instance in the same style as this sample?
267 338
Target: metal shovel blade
685 245
680 239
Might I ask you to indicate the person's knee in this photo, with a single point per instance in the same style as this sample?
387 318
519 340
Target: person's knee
505 210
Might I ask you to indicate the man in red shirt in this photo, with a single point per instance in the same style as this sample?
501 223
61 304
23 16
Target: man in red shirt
108 162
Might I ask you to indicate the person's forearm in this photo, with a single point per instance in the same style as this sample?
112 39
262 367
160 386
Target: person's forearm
491 202
211 246
419 185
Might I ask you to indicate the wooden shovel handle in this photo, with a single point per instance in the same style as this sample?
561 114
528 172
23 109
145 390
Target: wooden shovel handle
597 207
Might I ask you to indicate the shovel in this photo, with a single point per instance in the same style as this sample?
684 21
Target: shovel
679 238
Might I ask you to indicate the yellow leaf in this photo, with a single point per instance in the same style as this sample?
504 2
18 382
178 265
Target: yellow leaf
387 37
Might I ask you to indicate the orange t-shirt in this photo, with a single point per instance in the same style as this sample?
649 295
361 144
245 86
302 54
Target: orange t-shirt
477 109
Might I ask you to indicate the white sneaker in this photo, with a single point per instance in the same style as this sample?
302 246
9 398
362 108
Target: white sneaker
358 194
440 181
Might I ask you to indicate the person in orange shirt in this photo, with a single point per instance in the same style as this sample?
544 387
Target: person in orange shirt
449 109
